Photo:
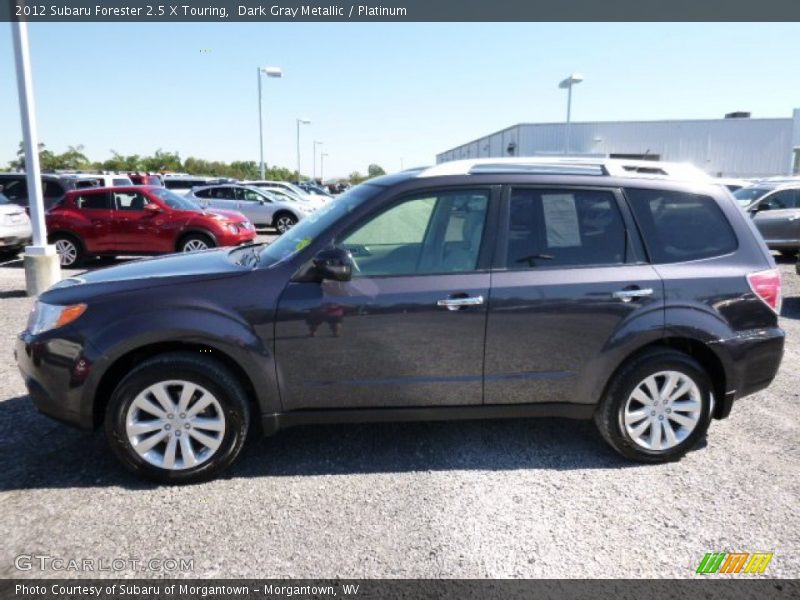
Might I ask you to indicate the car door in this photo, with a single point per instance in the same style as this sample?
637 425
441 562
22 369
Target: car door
137 229
96 225
777 217
258 208
408 329
566 278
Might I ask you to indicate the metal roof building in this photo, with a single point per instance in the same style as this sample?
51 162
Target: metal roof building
736 146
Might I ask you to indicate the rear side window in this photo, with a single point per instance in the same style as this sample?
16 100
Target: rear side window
563 227
15 189
100 201
679 226
52 189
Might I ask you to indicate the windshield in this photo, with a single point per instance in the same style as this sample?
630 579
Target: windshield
175 201
747 195
307 230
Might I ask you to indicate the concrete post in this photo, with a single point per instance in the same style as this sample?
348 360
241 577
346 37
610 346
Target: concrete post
42 266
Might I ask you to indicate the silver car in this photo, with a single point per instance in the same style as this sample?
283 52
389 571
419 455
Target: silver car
15 227
261 207
776 213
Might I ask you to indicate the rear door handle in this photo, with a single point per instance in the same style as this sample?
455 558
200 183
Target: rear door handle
628 295
457 303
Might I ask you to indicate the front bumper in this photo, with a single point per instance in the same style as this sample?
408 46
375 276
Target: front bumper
55 371
244 236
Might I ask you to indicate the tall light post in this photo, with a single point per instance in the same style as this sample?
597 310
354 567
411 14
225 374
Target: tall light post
567 84
42 266
316 143
322 165
300 121
269 72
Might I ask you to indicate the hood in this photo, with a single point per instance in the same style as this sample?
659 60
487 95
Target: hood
149 272
233 216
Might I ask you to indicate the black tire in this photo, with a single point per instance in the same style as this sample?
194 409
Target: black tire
200 371
284 221
70 250
197 240
610 412
788 252
7 253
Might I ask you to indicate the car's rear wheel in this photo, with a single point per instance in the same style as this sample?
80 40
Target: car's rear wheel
284 222
657 408
178 418
195 242
69 250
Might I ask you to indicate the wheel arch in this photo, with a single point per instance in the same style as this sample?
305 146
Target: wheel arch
702 352
195 231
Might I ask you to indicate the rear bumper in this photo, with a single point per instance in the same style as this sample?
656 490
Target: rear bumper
15 237
752 359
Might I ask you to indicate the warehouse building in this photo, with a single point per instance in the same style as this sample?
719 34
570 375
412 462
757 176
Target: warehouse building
735 146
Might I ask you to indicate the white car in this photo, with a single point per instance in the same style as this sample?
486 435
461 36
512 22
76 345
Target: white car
290 188
15 227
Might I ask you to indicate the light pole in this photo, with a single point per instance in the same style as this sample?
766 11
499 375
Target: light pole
300 121
42 267
269 72
316 143
567 84
322 156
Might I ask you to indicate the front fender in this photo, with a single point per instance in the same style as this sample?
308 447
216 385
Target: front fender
196 325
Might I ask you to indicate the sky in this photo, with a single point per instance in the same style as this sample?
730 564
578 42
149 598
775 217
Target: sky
390 94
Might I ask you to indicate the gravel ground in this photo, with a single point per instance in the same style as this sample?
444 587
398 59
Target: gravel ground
529 498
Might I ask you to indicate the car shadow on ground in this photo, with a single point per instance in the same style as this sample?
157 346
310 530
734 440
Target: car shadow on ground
791 308
40 453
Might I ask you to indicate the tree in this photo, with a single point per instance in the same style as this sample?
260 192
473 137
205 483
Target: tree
355 178
162 161
375 171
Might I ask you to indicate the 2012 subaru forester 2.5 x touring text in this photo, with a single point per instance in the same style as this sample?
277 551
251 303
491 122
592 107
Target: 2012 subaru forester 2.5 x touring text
470 289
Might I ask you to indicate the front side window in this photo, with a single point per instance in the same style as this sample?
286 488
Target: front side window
203 193
680 226
52 189
562 227
439 233
101 201
129 201
780 200
250 195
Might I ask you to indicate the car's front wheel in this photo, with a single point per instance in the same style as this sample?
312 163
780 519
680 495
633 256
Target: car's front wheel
656 408
195 242
178 418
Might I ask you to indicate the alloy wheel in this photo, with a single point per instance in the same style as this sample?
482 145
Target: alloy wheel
175 424
194 245
67 252
284 224
663 410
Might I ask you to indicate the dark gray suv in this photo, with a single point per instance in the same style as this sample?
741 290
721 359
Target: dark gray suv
466 290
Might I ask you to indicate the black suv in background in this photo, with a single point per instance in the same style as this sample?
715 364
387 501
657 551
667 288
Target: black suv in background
494 288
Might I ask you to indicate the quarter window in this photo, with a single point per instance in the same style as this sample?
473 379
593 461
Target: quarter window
439 233
563 227
679 226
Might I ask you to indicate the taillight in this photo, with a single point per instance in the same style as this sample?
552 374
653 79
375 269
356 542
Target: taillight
767 286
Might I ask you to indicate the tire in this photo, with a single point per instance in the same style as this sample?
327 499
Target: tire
69 249
619 403
195 242
213 445
788 252
8 253
284 221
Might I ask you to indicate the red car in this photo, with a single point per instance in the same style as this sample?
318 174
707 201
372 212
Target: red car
139 220
145 179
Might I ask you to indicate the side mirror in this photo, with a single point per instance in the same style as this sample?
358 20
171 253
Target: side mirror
335 264
152 207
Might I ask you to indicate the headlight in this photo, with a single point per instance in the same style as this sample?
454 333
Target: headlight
233 228
45 317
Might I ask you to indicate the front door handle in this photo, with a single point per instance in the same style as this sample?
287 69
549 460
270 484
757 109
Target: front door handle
628 295
457 303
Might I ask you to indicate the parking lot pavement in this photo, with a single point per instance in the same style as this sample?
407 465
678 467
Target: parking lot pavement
526 498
